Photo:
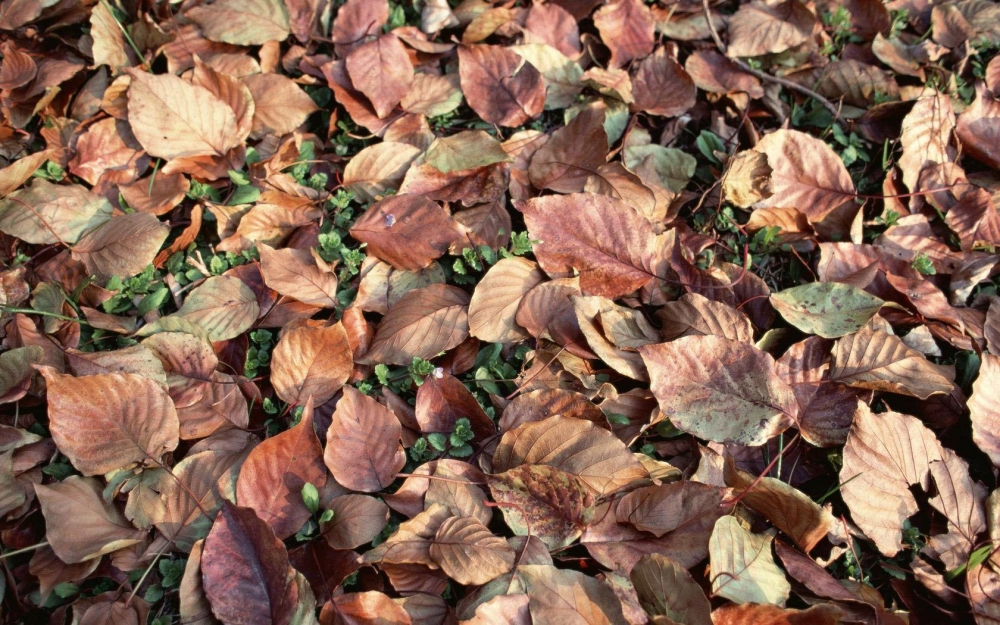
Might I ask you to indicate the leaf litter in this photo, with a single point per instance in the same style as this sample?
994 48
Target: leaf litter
456 311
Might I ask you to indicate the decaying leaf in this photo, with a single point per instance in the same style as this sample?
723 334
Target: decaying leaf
743 567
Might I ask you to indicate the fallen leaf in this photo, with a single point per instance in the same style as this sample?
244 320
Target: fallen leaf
627 28
743 568
758 28
666 588
80 525
423 323
828 309
46 213
122 246
362 445
242 23
873 359
311 362
470 553
245 571
720 389
406 231
108 422
381 70
983 411
501 87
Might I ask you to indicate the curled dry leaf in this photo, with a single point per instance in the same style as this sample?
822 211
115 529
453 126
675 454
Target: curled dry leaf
791 510
501 87
80 524
274 473
362 445
108 422
977 126
720 389
743 567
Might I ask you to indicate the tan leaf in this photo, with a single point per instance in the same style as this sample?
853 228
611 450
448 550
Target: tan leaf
806 173
311 362
748 180
469 552
759 28
433 95
108 422
885 454
542 501
627 28
167 192
565 596
575 446
365 607
666 588
494 303
194 607
357 519
423 323
381 70
222 305
983 408
714 73
960 500
693 315
172 118
79 524
121 247
47 213
280 106
274 473
743 567
377 168
612 246
355 20
873 359
758 613
242 22
406 231
791 510
661 510
231 91
362 445
606 325
926 137
500 86
720 389
297 273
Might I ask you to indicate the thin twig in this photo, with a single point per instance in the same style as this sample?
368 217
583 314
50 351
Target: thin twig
746 67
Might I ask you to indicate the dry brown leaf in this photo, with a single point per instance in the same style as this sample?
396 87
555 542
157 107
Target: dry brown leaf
612 246
280 106
80 524
665 588
884 456
495 302
627 28
873 359
469 552
362 445
311 362
108 422
983 409
423 323
501 87
743 567
442 400
720 389
977 126
926 137
299 274
694 314
759 28
357 519
242 22
575 446
406 231
59 213
123 246
381 70
274 473
791 510
662 87
377 168
172 118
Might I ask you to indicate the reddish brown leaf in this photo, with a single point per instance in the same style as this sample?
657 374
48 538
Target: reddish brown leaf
381 70
406 231
499 85
626 26
245 571
423 323
274 473
362 445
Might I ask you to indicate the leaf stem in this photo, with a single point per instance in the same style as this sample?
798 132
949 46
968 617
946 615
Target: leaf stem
18 552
